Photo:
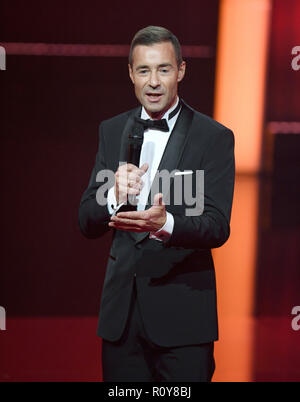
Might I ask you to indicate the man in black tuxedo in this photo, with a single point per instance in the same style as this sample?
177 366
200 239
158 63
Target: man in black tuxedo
158 316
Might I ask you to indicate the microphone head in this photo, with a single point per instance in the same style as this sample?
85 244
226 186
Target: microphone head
137 134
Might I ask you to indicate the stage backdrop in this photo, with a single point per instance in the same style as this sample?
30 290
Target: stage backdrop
51 107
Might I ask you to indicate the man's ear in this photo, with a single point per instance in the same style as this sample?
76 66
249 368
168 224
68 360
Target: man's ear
181 71
130 73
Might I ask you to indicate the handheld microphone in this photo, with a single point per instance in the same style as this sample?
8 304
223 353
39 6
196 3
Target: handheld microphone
135 142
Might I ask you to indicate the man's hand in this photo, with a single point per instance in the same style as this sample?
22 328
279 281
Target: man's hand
149 220
128 181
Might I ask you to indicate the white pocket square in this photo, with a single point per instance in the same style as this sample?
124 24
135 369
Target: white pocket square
184 172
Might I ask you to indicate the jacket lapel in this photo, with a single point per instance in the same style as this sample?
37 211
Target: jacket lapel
176 144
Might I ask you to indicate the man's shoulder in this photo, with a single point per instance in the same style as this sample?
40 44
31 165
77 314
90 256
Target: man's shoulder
207 122
119 119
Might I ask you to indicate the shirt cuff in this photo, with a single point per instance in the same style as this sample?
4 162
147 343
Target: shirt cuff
164 233
112 205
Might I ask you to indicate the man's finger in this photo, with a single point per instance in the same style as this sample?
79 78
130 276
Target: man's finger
144 167
129 167
135 215
127 221
158 200
126 228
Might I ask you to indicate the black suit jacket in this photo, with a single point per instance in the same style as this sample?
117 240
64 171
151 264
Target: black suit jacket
175 280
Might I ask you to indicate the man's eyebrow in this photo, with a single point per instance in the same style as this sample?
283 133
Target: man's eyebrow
165 65
141 67
144 66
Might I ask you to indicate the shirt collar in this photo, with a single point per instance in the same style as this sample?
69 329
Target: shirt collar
144 114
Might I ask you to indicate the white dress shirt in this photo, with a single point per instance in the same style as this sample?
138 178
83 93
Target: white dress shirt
153 147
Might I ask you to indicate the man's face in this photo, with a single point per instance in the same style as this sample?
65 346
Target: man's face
155 76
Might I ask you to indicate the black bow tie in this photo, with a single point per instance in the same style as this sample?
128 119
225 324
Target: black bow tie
161 125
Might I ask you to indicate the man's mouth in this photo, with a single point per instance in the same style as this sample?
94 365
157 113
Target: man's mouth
154 97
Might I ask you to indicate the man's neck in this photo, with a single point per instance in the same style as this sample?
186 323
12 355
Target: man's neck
161 113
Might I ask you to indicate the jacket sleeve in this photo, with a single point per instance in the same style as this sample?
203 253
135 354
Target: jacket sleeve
211 229
94 216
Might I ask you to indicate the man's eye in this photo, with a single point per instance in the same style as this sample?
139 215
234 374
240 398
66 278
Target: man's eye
143 71
164 70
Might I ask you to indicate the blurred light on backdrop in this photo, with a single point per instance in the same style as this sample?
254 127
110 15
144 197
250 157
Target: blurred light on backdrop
241 75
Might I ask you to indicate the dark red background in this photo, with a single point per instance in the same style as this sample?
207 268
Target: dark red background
51 276
51 108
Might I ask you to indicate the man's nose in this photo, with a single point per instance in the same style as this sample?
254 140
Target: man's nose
154 79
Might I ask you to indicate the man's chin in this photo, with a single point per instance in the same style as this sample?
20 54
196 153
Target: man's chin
154 107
